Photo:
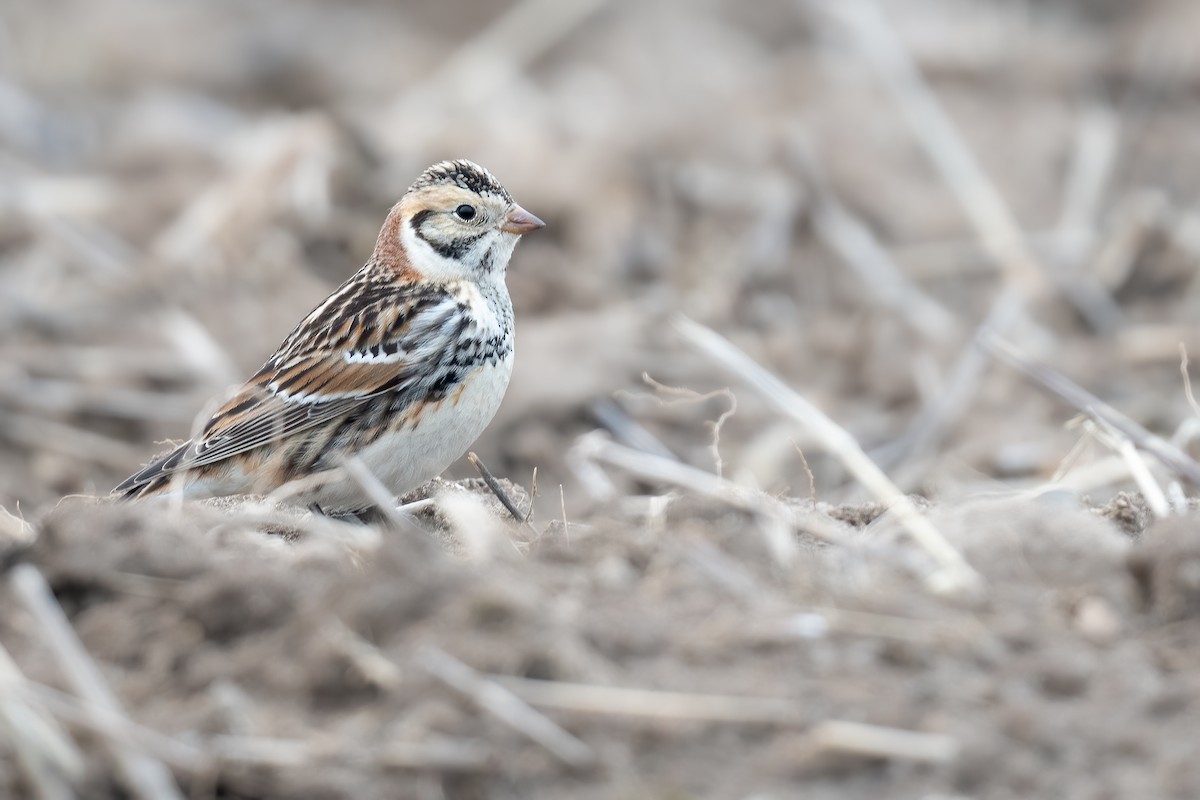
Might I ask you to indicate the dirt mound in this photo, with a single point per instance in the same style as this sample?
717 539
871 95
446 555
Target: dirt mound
331 664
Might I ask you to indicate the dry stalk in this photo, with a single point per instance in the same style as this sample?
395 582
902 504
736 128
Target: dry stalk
818 622
590 476
1137 219
963 257
668 395
507 707
1072 457
1186 433
116 726
951 404
49 760
1134 463
533 495
625 429
1075 395
562 504
93 244
985 207
829 735
1094 158
781 519
379 495
434 754
416 506
1155 497
374 666
264 751
879 274
954 573
14 530
497 489
1179 501
876 741
999 234
143 776
1081 480
1187 380
652 704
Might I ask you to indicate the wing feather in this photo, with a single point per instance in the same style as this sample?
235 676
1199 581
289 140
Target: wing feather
326 368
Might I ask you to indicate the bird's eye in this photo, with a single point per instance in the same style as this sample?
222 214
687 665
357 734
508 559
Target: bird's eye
465 212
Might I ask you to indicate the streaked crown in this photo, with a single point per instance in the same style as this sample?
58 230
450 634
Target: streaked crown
465 175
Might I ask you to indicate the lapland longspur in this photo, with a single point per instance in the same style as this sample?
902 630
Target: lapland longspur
404 365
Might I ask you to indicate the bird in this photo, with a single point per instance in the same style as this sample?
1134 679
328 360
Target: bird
403 366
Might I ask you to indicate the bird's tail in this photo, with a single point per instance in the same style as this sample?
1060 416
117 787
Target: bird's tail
154 478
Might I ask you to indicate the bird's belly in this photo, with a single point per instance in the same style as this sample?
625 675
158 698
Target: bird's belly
441 431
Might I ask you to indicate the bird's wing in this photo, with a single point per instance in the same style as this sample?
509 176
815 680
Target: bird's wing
342 355
303 389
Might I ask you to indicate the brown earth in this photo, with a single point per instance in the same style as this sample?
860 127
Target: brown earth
1073 678
180 183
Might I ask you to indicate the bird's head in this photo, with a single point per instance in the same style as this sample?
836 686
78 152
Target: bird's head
456 221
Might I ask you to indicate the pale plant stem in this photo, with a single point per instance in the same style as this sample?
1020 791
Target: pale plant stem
954 573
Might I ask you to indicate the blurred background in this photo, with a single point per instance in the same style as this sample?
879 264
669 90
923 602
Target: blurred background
181 182
864 197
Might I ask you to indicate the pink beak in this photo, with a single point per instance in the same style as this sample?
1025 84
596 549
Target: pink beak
521 221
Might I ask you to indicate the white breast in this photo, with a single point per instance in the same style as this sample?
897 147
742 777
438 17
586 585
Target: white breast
406 459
